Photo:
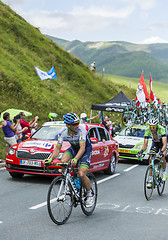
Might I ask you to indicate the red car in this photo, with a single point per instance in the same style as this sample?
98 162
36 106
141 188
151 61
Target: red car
27 157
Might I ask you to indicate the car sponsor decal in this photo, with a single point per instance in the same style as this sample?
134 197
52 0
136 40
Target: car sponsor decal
39 144
106 152
95 152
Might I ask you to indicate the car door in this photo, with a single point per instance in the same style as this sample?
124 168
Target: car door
96 157
105 146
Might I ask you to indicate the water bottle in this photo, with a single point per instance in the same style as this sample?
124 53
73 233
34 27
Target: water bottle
156 171
77 182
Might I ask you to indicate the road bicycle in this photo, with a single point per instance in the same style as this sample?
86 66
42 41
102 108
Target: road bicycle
64 194
155 170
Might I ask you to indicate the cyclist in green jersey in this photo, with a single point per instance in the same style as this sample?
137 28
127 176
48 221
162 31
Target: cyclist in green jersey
159 144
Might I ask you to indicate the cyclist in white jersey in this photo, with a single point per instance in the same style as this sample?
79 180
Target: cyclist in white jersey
80 151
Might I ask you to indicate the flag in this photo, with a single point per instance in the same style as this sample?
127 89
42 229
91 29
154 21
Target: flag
152 95
142 93
46 75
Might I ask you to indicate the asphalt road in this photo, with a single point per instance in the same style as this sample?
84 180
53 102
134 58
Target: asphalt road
122 211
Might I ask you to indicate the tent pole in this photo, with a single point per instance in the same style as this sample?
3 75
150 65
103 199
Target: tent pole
90 114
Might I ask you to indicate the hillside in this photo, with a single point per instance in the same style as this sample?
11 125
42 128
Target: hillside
122 58
22 47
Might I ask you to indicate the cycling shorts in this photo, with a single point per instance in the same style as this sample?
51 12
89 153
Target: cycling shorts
84 161
156 146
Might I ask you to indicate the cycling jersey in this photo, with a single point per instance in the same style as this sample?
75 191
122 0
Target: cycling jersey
79 137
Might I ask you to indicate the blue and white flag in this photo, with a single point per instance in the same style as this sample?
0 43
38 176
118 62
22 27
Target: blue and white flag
46 75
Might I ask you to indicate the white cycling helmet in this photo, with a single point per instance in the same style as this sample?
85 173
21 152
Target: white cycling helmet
83 115
153 122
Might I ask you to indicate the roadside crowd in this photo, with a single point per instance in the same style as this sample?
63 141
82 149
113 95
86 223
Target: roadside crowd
16 132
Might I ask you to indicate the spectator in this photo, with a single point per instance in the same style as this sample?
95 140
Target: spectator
2 123
9 131
110 126
93 67
105 123
52 116
34 129
19 130
85 119
24 123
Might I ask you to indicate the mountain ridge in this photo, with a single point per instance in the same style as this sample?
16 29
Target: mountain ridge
121 58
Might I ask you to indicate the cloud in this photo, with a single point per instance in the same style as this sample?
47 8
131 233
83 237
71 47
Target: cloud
154 39
78 20
143 4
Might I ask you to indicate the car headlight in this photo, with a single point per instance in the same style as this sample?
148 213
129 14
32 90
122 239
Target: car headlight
11 151
59 156
138 147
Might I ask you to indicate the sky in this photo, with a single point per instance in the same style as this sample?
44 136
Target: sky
135 21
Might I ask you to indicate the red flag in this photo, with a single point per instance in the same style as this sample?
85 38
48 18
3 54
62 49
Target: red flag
142 93
152 95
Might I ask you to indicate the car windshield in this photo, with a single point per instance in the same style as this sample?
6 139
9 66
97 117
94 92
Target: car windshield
47 132
133 132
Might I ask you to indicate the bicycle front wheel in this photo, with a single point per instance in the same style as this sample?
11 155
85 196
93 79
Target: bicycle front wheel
89 210
59 200
149 186
161 184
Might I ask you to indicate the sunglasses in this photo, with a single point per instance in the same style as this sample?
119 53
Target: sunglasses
75 124
152 127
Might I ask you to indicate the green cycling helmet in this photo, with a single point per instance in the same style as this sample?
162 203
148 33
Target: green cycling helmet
51 116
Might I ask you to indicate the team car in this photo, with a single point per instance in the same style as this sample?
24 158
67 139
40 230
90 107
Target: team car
130 141
27 157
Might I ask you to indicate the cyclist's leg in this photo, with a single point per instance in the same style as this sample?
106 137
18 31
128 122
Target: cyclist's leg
163 163
84 164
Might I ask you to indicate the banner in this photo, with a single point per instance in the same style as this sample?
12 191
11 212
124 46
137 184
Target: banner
46 75
142 93
152 95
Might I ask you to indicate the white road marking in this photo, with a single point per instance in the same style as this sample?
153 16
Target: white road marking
108 178
130 168
39 205
1 222
132 209
2 168
100 181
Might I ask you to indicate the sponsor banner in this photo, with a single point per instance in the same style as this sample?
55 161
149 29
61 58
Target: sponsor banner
39 144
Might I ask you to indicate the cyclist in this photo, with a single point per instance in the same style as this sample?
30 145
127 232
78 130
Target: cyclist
80 150
159 144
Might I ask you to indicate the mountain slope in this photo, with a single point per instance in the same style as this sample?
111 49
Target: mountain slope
21 47
122 58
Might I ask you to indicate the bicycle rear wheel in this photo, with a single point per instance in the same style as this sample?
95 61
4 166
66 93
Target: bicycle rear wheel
148 190
161 186
89 210
59 200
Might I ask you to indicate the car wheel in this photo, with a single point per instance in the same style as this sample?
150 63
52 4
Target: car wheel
16 175
112 166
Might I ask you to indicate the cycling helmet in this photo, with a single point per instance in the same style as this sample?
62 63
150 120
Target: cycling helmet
70 118
51 116
153 122
83 115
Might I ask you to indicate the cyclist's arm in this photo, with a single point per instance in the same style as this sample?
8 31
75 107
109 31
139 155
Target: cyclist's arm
81 150
56 151
145 145
164 142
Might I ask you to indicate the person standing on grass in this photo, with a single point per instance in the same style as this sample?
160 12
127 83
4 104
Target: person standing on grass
29 125
8 130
